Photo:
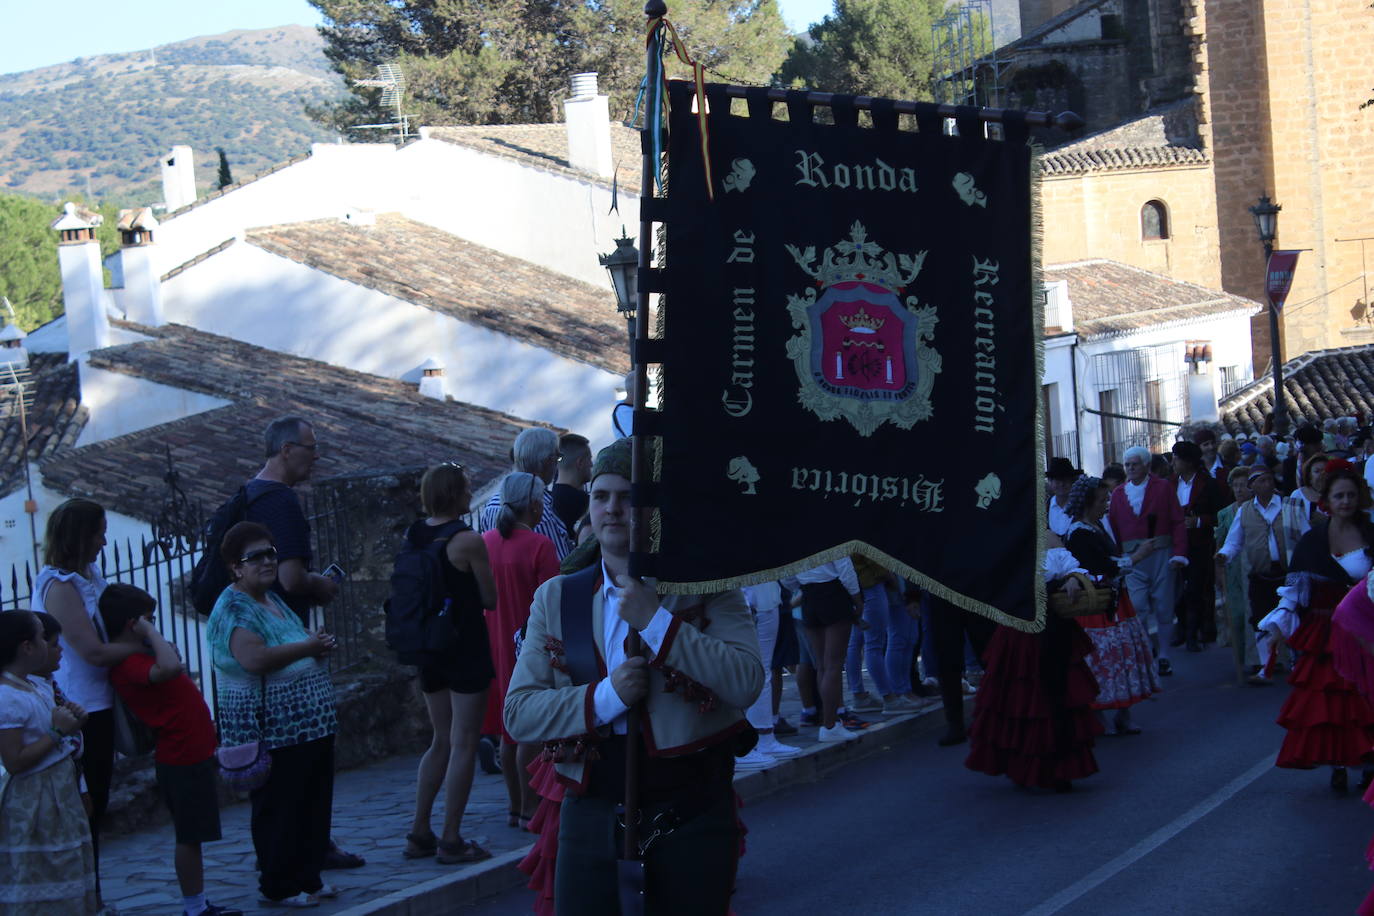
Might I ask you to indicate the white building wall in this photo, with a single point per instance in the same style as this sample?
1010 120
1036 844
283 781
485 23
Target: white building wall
335 178
272 302
546 218
1059 373
120 404
18 544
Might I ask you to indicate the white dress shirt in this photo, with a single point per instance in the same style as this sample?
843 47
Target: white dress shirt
1057 519
1235 538
1185 491
606 702
842 569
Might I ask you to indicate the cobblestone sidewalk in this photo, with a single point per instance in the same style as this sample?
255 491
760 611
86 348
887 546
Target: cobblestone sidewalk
372 810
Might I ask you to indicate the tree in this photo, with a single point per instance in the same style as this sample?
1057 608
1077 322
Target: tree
510 61
29 274
869 47
225 178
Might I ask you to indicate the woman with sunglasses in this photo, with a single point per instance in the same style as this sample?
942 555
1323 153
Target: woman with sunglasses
273 687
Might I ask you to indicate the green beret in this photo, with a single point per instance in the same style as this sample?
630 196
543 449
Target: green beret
613 459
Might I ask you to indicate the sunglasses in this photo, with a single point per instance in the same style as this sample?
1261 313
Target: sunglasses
266 554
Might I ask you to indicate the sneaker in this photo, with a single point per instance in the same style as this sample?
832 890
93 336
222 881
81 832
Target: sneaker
327 892
212 910
835 733
853 722
754 760
775 748
809 718
488 755
898 706
782 727
298 902
1166 667
969 689
866 702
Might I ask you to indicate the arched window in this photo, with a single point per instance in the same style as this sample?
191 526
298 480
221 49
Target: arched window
1154 221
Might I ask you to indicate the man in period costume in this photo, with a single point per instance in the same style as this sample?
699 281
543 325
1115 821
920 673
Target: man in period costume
571 690
1257 538
1145 510
1201 500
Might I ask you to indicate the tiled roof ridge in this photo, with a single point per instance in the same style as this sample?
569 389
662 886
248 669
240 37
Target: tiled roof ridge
1153 274
168 335
215 195
626 178
208 253
1122 158
1253 309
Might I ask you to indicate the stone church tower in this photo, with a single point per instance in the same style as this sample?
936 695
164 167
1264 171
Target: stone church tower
1196 108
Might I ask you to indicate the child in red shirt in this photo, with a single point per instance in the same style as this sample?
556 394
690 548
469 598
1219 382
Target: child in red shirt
154 686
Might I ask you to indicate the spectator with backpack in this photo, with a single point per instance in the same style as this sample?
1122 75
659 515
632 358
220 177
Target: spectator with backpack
440 584
521 561
292 451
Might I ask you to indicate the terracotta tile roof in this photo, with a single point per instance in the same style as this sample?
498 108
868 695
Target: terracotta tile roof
1113 298
1317 386
431 268
363 422
54 416
1074 162
545 146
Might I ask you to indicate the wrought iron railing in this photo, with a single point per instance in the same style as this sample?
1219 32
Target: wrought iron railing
162 567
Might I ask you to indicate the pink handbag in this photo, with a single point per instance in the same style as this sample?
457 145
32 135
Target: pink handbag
245 767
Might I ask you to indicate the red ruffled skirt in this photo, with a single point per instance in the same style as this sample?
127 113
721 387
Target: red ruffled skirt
1329 723
1034 724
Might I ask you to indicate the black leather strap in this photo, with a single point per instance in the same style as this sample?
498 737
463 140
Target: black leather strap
575 609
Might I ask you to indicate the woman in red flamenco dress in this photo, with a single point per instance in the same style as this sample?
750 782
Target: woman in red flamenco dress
1033 720
1329 723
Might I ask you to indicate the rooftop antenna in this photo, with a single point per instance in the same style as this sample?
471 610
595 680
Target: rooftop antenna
393 85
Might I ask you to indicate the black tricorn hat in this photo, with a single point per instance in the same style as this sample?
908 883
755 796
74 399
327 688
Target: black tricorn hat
1062 469
1190 452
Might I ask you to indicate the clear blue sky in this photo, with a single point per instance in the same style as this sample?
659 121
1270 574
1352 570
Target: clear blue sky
45 33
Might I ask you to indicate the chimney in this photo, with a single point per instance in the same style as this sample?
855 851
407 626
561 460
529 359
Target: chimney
83 282
178 178
142 283
432 384
1202 388
589 127
12 352
1058 307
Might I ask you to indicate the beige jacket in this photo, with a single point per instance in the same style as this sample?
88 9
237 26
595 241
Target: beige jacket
707 671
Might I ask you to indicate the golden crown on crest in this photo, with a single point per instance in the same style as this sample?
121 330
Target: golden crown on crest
862 321
857 259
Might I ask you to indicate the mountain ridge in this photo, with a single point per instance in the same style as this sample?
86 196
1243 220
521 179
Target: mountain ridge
99 123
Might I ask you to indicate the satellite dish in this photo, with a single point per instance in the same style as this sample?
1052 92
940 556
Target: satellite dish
392 82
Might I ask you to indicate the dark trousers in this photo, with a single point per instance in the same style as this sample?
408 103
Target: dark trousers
691 871
291 818
948 626
1196 608
97 765
1263 593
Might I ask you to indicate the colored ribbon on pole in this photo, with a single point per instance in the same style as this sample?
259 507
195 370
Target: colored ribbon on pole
661 33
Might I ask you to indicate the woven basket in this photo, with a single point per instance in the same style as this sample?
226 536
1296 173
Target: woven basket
1095 598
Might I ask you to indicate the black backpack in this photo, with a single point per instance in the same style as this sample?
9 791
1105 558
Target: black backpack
210 577
418 618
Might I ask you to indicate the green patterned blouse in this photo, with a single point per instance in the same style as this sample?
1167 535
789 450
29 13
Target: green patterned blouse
300 697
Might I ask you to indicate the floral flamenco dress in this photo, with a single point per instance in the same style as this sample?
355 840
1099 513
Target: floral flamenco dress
1033 720
1121 659
1329 722
1352 655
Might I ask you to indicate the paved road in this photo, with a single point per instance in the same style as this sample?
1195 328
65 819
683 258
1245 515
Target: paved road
1190 817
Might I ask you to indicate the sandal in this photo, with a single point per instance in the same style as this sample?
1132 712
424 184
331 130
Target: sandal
420 847
460 853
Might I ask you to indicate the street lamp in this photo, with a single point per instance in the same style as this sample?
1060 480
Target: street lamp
1266 214
623 266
